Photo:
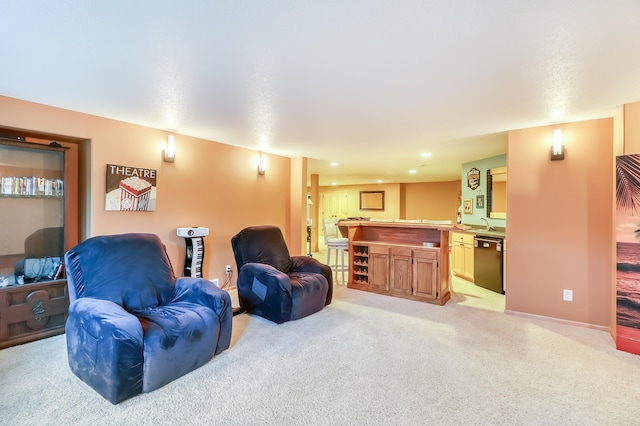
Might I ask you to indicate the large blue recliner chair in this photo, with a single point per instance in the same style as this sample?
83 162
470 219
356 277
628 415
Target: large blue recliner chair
133 327
274 285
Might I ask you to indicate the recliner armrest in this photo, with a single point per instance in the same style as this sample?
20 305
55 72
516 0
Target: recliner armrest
265 291
267 275
306 264
309 264
98 315
105 347
203 292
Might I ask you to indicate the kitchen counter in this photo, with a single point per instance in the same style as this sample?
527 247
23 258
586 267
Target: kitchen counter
399 223
497 233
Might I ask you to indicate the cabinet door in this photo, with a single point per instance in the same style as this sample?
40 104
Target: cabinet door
379 267
333 205
32 212
401 270
468 261
425 274
458 258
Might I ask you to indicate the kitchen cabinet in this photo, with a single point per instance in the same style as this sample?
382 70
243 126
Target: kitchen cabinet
401 270
462 255
379 267
414 271
425 272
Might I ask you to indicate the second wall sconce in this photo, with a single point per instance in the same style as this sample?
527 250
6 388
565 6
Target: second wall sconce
262 165
170 150
557 150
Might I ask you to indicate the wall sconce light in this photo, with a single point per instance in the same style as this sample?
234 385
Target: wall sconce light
170 150
557 150
262 165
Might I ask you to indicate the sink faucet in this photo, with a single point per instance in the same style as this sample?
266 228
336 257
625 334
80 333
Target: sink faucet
489 227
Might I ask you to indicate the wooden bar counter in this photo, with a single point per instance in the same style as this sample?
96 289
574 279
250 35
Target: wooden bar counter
402 259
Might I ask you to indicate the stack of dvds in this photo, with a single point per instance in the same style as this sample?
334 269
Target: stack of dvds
31 186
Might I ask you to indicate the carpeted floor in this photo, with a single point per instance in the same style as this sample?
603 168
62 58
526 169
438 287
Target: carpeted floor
365 359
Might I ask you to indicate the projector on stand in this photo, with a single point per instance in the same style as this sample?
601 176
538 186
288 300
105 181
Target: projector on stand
194 240
193 232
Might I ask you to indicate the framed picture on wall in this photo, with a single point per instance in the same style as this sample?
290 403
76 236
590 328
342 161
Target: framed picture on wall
130 188
371 200
479 201
468 206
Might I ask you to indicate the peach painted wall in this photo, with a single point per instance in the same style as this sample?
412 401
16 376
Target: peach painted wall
560 229
430 200
210 184
632 128
297 239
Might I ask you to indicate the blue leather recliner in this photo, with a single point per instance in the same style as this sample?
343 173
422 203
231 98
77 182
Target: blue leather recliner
274 285
132 326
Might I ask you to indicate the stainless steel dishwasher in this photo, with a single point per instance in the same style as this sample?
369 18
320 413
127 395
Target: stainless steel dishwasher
487 263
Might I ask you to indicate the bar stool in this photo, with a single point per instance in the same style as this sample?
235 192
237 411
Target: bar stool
334 242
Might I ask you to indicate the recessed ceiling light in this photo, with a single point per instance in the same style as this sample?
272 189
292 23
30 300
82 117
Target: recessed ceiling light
379 180
333 163
412 172
425 154
334 183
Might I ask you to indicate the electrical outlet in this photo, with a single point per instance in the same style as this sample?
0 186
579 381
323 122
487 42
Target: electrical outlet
227 269
216 282
567 295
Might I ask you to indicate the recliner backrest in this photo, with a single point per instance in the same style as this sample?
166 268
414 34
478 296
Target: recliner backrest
132 270
261 244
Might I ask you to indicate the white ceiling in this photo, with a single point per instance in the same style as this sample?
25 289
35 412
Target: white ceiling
370 84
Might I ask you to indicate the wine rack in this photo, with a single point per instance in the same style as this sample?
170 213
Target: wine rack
361 264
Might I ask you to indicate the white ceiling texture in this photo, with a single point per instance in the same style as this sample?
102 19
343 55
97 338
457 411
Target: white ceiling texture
370 84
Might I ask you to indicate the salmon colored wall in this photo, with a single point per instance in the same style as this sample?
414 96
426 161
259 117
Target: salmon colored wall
298 207
430 200
632 128
210 184
560 229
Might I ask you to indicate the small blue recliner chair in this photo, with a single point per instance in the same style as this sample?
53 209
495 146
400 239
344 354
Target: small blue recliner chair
274 285
132 326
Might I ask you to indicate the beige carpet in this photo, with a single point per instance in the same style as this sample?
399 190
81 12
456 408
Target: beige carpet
364 360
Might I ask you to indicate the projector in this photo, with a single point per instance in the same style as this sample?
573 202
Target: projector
193 232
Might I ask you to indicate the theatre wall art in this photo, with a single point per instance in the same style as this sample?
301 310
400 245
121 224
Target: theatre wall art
130 188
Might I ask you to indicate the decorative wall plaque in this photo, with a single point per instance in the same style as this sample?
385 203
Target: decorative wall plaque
473 178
